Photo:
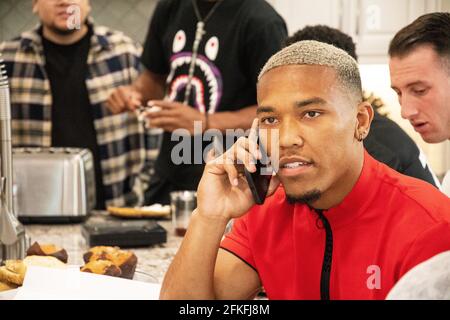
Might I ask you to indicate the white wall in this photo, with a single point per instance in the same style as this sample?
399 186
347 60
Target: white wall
299 14
446 5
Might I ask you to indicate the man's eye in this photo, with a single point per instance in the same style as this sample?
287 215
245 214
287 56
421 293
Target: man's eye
269 120
312 114
420 91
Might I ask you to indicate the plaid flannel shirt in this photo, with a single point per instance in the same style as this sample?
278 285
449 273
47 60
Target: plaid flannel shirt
113 60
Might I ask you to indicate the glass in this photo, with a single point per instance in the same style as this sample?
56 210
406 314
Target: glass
182 203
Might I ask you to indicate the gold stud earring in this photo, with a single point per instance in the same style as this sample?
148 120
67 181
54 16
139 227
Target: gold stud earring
361 136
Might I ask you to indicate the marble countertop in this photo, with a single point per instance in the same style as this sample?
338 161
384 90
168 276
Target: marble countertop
152 260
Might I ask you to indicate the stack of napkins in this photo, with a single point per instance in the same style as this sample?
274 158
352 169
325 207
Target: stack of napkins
70 284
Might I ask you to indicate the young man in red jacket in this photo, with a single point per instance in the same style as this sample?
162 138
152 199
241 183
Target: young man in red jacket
337 225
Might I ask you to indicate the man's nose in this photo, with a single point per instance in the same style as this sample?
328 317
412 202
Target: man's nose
290 134
408 107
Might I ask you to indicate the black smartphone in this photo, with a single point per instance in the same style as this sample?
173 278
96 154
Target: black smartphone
259 180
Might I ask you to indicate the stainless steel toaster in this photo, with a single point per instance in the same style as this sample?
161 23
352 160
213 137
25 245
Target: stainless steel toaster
53 184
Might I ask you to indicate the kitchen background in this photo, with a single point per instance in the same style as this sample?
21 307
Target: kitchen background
372 23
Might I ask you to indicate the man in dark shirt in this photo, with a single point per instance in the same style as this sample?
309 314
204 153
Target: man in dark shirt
221 71
386 141
72 118
61 75
419 65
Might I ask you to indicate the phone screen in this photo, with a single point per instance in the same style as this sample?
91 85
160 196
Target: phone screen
259 180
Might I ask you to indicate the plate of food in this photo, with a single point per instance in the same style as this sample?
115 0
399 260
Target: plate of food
114 261
102 260
154 211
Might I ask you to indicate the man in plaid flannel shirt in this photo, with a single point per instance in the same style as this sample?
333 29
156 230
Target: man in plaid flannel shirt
111 60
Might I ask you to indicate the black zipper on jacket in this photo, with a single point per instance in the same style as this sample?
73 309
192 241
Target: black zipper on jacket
327 258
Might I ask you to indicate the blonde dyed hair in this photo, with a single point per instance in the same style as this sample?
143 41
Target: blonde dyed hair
310 52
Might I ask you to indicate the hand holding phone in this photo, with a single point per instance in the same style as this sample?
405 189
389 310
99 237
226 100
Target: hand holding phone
224 191
259 180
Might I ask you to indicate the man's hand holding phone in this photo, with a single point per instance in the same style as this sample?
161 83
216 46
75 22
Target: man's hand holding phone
224 192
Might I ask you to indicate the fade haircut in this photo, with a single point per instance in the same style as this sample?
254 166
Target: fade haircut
430 29
311 52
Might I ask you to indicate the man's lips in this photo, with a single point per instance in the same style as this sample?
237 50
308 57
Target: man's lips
420 126
293 166
286 160
63 11
63 15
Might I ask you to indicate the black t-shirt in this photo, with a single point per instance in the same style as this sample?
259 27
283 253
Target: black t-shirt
72 114
240 37
389 144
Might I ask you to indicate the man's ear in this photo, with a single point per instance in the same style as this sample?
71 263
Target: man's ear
34 4
88 9
365 116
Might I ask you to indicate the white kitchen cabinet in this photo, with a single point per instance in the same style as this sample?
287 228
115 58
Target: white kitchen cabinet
300 13
371 23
